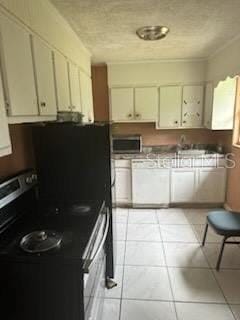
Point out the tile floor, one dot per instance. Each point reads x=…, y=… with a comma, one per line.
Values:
x=164, y=274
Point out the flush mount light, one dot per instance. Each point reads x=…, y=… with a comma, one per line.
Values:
x=152, y=32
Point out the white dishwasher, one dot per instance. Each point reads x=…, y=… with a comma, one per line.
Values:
x=150, y=184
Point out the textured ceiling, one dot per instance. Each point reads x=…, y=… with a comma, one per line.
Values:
x=107, y=27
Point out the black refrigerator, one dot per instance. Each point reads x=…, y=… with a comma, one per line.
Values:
x=73, y=164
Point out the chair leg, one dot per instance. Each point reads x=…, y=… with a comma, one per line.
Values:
x=221, y=254
x=205, y=235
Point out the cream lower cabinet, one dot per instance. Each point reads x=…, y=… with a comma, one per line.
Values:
x=183, y=185
x=18, y=71
x=123, y=182
x=44, y=74
x=198, y=185
x=123, y=186
x=211, y=185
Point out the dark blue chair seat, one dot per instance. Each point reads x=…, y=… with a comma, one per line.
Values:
x=225, y=223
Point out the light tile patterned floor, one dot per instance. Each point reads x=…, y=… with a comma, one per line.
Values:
x=164, y=274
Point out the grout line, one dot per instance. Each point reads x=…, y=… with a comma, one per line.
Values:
x=124, y=257
x=168, y=274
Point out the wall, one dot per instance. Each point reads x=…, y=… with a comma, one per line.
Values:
x=100, y=93
x=156, y=73
x=151, y=136
x=22, y=156
x=224, y=63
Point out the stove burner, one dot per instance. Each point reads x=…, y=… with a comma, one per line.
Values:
x=41, y=241
x=79, y=210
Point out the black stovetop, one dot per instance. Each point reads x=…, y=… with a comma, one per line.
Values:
x=76, y=230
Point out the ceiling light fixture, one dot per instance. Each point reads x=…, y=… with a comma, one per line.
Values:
x=152, y=32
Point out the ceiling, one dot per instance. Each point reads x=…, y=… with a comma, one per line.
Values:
x=107, y=27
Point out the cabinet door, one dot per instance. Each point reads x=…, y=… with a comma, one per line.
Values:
x=44, y=78
x=86, y=98
x=5, y=143
x=192, y=106
x=211, y=185
x=170, y=107
x=122, y=104
x=123, y=185
x=208, y=105
x=74, y=87
x=146, y=104
x=18, y=69
x=158, y=193
x=224, y=104
x=62, y=82
x=183, y=185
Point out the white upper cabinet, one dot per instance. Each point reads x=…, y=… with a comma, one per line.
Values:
x=122, y=104
x=192, y=106
x=62, y=82
x=74, y=87
x=43, y=61
x=86, y=98
x=208, y=105
x=18, y=69
x=224, y=104
x=5, y=143
x=170, y=107
x=146, y=104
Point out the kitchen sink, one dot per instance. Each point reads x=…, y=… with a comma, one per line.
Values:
x=191, y=152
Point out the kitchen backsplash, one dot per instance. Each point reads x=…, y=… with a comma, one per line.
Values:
x=153, y=137
x=22, y=156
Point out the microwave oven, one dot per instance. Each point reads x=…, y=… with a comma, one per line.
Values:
x=127, y=144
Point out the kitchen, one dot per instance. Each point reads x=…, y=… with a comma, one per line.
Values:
x=168, y=97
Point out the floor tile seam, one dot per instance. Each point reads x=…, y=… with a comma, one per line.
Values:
x=168, y=275
x=123, y=267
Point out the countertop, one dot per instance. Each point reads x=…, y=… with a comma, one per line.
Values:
x=166, y=155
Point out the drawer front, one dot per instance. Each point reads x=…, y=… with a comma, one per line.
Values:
x=122, y=163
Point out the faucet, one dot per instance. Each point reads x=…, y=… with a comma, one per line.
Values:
x=182, y=142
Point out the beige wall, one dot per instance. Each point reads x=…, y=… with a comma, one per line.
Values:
x=22, y=155
x=151, y=136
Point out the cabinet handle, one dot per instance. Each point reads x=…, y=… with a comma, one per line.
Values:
x=198, y=114
x=43, y=104
x=184, y=121
x=176, y=122
x=138, y=115
x=129, y=115
x=185, y=101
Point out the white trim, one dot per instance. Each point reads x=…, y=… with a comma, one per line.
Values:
x=29, y=119
x=112, y=62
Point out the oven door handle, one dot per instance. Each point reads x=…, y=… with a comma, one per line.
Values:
x=89, y=262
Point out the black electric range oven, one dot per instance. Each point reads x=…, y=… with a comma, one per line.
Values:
x=52, y=260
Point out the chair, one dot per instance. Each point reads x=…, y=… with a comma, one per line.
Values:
x=226, y=224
